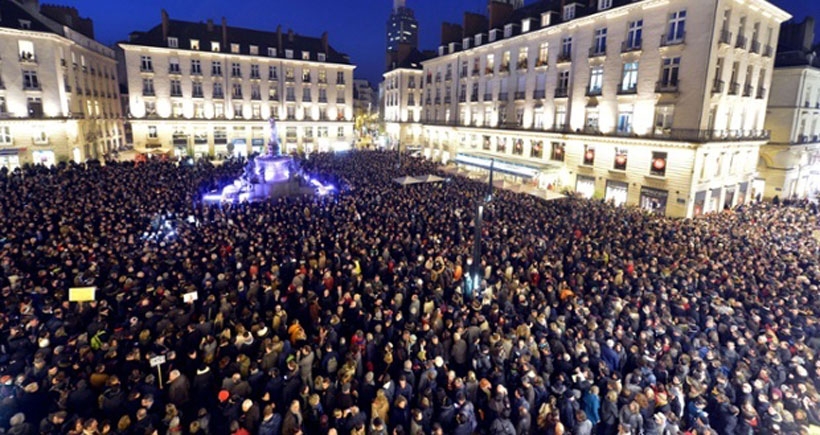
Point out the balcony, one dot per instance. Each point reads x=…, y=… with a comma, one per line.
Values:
x=448, y=100
x=448, y=77
x=672, y=40
x=145, y=92
x=490, y=70
x=236, y=75
x=196, y=72
x=768, y=51
x=520, y=95
x=340, y=82
x=291, y=98
x=438, y=79
x=761, y=93
x=541, y=63
x=27, y=57
x=717, y=86
x=474, y=97
x=561, y=92
x=627, y=89
x=488, y=96
x=503, y=96
x=273, y=78
x=174, y=69
x=504, y=68
x=734, y=88
x=236, y=95
x=340, y=100
x=597, y=51
x=67, y=87
x=666, y=87
x=748, y=90
x=461, y=99
x=539, y=94
x=741, y=42
x=273, y=97
x=593, y=91
x=143, y=68
x=219, y=95
x=693, y=135
x=755, y=48
x=197, y=95
x=290, y=79
x=63, y=63
x=256, y=97
x=437, y=100
x=523, y=65
x=565, y=57
x=475, y=72
x=307, y=99
x=725, y=37
x=255, y=76
x=322, y=80
x=627, y=47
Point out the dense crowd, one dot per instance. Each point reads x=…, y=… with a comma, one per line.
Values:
x=352, y=313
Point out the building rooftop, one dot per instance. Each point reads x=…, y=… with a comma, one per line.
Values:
x=208, y=32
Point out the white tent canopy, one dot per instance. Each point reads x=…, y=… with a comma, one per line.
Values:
x=404, y=181
x=429, y=178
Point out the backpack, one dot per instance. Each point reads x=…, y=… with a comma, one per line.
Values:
x=332, y=365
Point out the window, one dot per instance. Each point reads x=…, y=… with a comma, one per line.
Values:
x=173, y=66
x=322, y=76
x=254, y=50
x=216, y=68
x=561, y=118
x=604, y=4
x=152, y=132
x=235, y=48
x=194, y=44
x=569, y=12
x=40, y=137
x=322, y=57
x=566, y=48
x=557, y=152
x=271, y=51
x=634, y=35
x=625, y=122
x=196, y=91
x=173, y=42
x=291, y=113
x=543, y=54
x=273, y=94
x=176, y=88
x=593, y=120
x=670, y=71
x=146, y=64
x=596, y=80
x=2, y=104
x=663, y=119
x=256, y=111
x=306, y=96
x=214, y=46
x=289, y=54
x=30, y=80
x=658, y=167
x=620, y=159
x=599, y=41
x=196, y=66
x=150, y=108
x=323, y=95
x=237, y=110
x=305, y=75
x=589, y=155
x=273, y=73
x=218, y=91
x=254, y=71
x=522, y=58
x=256, y=93
x=176, y=109
x=237, y=90
x=26, y=51
x=5, y=135
x=219, y=110
x=340, y=132
x=147, y=87
x=236, y=70
x=220, y=135
x=563, y=81
x=677, y=26
x=340, y=78
x=25, y=24
x=290, y=93
x=630, y=77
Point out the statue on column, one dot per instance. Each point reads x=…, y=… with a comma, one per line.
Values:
x=273, y=144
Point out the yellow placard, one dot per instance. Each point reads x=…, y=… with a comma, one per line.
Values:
x=81, y=294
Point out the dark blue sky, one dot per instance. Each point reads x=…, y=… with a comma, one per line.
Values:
x=356, y=27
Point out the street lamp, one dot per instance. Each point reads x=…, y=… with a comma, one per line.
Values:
x=476, y=272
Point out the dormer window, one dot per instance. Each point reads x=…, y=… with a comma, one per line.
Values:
x=235, y=48
x=465, y=43
x=479, y=39
x=508, y=30
x=604, y=4
x=546, y=19
x=289, y=54
x=195, y=44
x=173, y=42
x=305, y=55
x=322, y=57
x=569, y=12
x=493, y=35
x=215, y=46
x=271, y=52
x=254, y=49
x=25, y=24
x=525, y=25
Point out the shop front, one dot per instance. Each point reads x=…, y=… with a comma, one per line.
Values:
x=10, y=159
x=654, y=200
x=43, y=157
x=700, y=203
x=585, y=186
x=616, y=192
x=518, y=171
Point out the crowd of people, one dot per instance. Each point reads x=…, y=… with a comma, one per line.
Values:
x=356, y=313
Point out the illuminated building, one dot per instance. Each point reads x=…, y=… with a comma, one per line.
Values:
x=58, y=87
x=655, y=103
x=402, y=99
x=205, y=89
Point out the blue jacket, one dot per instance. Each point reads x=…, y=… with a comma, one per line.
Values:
x=592, y=406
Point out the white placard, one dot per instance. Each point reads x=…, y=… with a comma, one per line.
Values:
x=157, y=360
x=189, y=298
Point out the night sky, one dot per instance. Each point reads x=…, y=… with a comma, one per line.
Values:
x=356, y=27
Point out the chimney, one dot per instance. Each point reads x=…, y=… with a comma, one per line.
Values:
x=224, y=32
x=500, y=13
x=474, y=24
x=325, y=45
x=450, y=33
x=164, y=24
x=279, y=39
x=290, y=35
x=210, y=25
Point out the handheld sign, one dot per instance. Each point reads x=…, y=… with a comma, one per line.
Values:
x=157, y=360
x=189, y=298
x=81, y=294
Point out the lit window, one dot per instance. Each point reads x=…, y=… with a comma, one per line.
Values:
x=234, y=48
x=173, y=42
x=604, y=4
x=254, y=49
x=152, y=132
x=305, y=55
x=289, y=54
x=569, y=12
x=215, y=46
x=194, y=44
x=271, y=52
x=5, y=135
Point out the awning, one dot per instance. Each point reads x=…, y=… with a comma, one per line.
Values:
x=404, y=181
x=429, y=178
